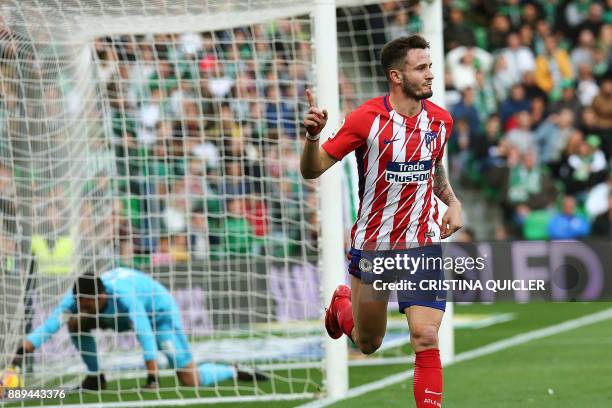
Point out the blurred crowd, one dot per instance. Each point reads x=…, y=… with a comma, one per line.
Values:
x=529, y=85
x=205, y=129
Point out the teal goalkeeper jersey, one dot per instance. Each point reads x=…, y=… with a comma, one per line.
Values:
x=135, y=300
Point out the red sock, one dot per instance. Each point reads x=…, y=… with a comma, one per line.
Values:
x=428, y=379
x=344, y=314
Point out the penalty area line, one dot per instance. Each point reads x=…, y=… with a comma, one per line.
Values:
x=472, y=354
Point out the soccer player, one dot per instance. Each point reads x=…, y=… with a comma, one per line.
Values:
x=399, y=141
x=125, y=299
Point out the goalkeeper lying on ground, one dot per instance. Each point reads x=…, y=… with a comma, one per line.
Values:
x=125, y=299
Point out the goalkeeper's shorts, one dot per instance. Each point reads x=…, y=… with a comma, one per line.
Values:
x=416, y=274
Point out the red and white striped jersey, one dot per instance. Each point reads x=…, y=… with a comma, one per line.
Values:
x=396, y=158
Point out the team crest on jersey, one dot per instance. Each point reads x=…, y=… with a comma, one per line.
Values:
x=430, y=136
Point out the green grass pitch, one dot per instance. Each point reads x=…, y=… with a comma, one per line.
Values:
x=569, y=369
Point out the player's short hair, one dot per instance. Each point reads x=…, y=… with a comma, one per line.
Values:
x=393, y=53
x=89, y=285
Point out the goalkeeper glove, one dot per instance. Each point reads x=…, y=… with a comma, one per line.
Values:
x=152, y=381
x=18, y=357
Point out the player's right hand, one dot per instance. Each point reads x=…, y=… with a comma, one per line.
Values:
x=315, y=119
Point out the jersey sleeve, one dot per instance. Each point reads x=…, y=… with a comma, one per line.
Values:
x=347, y=137
x=54, y=322
x=141, y=324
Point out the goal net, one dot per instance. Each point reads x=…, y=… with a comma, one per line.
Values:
x=165, y=136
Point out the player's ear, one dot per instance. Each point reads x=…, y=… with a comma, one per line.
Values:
x=395, y=76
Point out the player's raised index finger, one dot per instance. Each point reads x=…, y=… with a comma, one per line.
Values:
x=310, y=97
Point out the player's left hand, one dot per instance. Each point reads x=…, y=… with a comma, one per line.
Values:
x=452, y=220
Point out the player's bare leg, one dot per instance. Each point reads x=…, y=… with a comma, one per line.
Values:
x=424, y=323
x=370, y=315
x=360, y=313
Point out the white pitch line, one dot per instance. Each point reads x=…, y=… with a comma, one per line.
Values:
x=469, y=355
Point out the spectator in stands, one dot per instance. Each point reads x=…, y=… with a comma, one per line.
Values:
x=602, y=103
x=256, y=213
x=512, y=9
x=567, y=223
x=539, y=110
x=238, y=235
x=170, y=249
x=460, y=147
x=526, y=35
x=601, y=62
x=532, y=90
x=485, y=99
x=466, y=110
x=568, y=98
x=219, y=84
x=126, y=250
x=589, y=125
x=487, y=151
x=234, y=183
x=156, y=108
x=576, y=12
x=518, y=57
x=583, y=53
x=552, y=136
x=592, y=23
x=522, y=136
x=465, y=62
x=498, y=31
x=602, y=224
x=457, y=32
x=586, y=168
x=515, y=103
x=199, y=232
x=53, y=245
x=530, y=15
x=552, y=66
x=502, y=78
x=176, y=208
x=542, y=31
x=587, y=87
x=526, y=186
x=284, y=216
x=398, y=25
x=164, y=77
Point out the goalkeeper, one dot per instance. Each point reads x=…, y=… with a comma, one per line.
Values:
x=125, y=299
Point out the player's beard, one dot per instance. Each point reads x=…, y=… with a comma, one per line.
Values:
x=408, y=90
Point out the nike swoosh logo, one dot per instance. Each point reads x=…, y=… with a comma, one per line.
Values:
x=385, y=141
x=440, y=299
x=431, y=392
